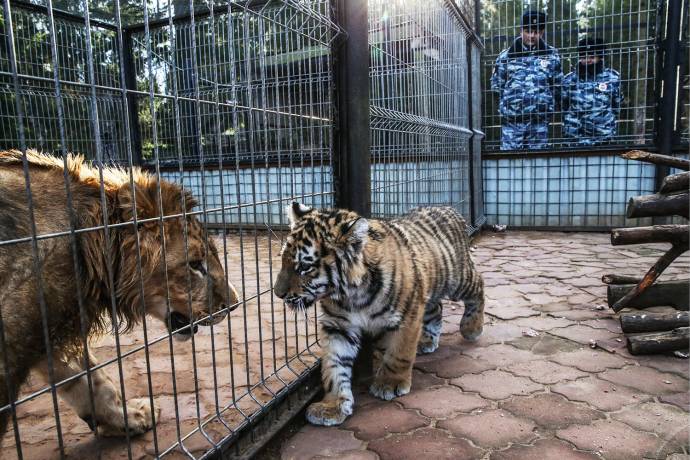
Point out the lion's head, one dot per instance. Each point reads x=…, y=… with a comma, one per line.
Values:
x=322, y=255
x=184, y=283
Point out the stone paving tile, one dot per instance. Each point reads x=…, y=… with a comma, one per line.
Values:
x=312, y=441
x=496, y=333
x=501, y=355
x=545, y=344
x=426, y=443
x=496, y=384
x=583, y=334
x=667, y=421
x=615, y=440
x=599, y=393
x=491, y=429
x=455, y=367
x=610, y=324
x=422, y=380
x=350, y=455
x=550, y=410
x=542, y=323
x=664, y=363
x=508, y=312
x=543, y=449
x=377, y=420
x=589, y=360
x=545, y=372
x=442, y=402
x=646, y=379
x=580, y=315
x=681, y=400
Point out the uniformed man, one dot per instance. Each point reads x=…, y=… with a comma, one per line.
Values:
x=527, y=77
x=591, y=96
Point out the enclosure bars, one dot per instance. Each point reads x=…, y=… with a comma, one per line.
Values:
x=352, y=167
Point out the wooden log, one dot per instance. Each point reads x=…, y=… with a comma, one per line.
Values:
x=671, y=293
x=673, y=234
x=675, y=183
x=653, y=322
x=659, y=342
x=651, y=276
x=612, y=278
x=655, y=158
x=658, y=205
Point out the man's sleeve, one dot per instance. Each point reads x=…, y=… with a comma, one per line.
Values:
x=499, y=76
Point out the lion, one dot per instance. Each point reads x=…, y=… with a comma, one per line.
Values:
x=93, y=276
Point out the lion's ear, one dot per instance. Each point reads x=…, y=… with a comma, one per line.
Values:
x=139, y=198
x=145, y=196
x=175, y=198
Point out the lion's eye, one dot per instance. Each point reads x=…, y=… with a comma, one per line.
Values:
x=198, y=265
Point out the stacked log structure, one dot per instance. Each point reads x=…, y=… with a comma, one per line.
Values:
x=648, y=332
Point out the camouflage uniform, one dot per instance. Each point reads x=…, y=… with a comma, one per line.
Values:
x=591, y=104
x=528, y=82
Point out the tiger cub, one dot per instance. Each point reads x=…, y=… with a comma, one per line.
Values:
x=385, y=279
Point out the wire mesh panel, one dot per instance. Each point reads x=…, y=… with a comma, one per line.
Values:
x=230, y=100
x=419, y=107
x=575, y=102
x=36, y=90
x=586, y=192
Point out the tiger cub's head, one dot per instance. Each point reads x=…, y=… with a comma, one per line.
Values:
x=322, y=256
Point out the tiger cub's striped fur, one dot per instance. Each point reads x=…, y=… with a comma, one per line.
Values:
x=385, y=279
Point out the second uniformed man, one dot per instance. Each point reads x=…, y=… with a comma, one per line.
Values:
x=591, y=96
x=527, y=77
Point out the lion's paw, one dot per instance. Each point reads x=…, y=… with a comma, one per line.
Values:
x=329, y=413
x=389, y=390
x=140, y=419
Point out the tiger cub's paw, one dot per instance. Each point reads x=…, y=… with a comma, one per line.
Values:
x=388, y=390
x=427, y=345
x=329, y=412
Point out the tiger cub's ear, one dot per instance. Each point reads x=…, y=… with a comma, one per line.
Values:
x=354, y=232
x=295, y=212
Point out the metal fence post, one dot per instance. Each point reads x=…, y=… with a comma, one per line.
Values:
x=352, y=165
x=131, y=84
x=470, y=125
x=668, y=108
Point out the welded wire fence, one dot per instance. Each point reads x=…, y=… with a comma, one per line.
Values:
x=420, y=106
x=571, y=102
x=232, y=100
x=569, y=175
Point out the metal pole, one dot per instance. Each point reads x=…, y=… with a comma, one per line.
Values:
x=470, y=125
x=352, y=175
x=668, y=104
x=667, y=108
x=133, y=107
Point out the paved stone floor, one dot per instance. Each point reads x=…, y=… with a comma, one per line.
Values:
x=532, y=387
